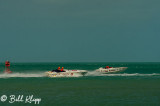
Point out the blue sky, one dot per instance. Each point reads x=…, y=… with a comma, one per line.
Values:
x=80, y=30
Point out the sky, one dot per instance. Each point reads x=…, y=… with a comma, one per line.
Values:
x=80, y=30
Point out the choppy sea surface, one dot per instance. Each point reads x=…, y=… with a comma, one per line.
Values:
x=138, y=85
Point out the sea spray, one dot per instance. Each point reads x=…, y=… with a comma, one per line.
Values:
x=4, y=75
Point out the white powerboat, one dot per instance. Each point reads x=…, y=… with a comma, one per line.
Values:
x=108, y=70
x=66, y=73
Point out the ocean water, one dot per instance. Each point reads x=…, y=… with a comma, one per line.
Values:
x=138, y=85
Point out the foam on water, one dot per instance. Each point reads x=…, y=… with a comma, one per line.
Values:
x=90, y=73
x=94, y=73
x=134, y=74
x=4, y=75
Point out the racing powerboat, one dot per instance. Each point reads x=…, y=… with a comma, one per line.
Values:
x=66, y=73
x=108, y=69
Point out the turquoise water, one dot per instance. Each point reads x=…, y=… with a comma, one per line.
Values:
x=138, y=85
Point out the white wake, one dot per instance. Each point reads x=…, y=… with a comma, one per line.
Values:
x=24, y=75
x=94, y=73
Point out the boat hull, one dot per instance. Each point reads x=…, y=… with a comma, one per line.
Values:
x=111, y=70
x=70, y=73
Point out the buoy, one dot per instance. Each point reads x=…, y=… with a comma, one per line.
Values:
x=7, y=67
